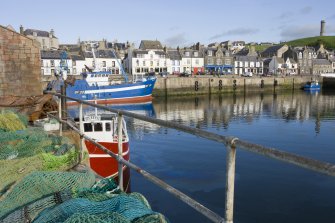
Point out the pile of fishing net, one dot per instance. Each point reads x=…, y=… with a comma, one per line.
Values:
x=26, y=149
x=74, y=197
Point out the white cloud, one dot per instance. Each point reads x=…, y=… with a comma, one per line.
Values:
x=176, y=40
x=235, y=32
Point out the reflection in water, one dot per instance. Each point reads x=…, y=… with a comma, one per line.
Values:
x=266, y=190
x=219, y=110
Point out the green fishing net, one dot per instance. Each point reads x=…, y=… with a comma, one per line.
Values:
x=73, y=197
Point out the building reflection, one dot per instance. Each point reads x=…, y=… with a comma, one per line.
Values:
x=219, y=110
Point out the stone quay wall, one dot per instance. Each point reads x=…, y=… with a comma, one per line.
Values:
x=20, y=65
x=226, y=84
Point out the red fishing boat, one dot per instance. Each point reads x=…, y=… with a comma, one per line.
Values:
x=103, y=128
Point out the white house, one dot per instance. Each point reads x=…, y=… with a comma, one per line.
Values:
x=174, y=62
x=150, y=57
x=281, y=66
x=51, y=61
x=246, y=64
x=106, y=60
x=192, y=61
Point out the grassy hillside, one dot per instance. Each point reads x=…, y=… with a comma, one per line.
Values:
x=328, y=41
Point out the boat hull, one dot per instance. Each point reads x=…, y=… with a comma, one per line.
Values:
x=123, y=93
x=105, y=165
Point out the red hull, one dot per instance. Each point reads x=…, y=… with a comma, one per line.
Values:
x=106, y=166
x=117, y=100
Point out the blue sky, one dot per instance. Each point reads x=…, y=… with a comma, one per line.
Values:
x=173, y=22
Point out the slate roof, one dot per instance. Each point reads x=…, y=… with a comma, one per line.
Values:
x=100, y=54
x=151, y=45
x=136, y=52
x=321, y=62
x=38, y=32
x=174, y=54
x=77, y=57
x=272, y=50
x=51, y=54
x=247, y=58
x=183, y=53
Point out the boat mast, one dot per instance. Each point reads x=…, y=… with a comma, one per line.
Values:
x=93, y=45
x=121, y=67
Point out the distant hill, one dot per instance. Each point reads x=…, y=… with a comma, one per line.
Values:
x=328, y=42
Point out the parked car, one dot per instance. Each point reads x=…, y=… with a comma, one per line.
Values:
x=185, y=74
x=247, y=74
x=164, y=74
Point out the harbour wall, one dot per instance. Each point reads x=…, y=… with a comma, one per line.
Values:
x=226, y=84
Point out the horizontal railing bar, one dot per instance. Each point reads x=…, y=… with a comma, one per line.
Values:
x=186, y=199
x=308, y=163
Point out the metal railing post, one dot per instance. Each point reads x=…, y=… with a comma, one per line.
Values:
x=81, y=128
x=60, y=116
x=230, y=182
x=119, y=141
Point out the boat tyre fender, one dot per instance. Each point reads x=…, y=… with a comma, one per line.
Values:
x=196, y=85
x=220, y=85
x=262, y=83
x=234, y=84
x=275, y=83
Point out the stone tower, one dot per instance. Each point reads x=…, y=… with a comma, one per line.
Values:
x=322, y=29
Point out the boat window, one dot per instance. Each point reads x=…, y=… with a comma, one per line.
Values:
x=98, y=127
x=88, y=127
x=108, y=126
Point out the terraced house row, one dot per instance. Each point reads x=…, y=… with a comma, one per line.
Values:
x=229, y=57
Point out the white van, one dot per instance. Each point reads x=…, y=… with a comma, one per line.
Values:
x=247, y=74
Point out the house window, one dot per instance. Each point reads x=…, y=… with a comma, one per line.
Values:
x=138, y=70
x=151, y=63
x=218, y=61
x=52, y=71
x=196, y=54
x=210, y=53
x=143, y=63
x=187, y=54
x=52, y=62
x=104, y=63
x=74, y=71
x=151, y=56
x=137, y=63
x=157, y=63
x=197, y=61
x=188, y=61
x=42, y=71
x=74, y=63
x=41, y=63
x=113, y=63
x=209, y=61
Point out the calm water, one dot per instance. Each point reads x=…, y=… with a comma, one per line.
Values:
x=266, y=190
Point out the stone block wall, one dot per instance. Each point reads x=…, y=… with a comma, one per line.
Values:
x=20, y=64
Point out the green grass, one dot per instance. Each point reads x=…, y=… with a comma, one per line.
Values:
x=328, y=41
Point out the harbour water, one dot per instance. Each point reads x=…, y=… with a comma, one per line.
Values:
x=266, y=190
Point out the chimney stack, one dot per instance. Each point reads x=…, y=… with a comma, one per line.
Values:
x=322, y=30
